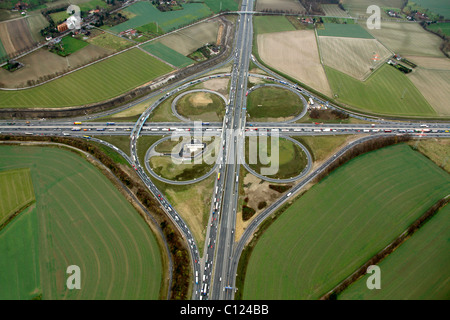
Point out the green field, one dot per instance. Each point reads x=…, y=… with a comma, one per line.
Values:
x=79, y=218
x=2, y=51
x=109, y=41
x=440, y=7
x=16, y=191
x=210, y=107
x=59, y=17
x=417, y=270
x=443, y=28
x=145, y=13
x=269, y=103
x=225, y=5
x=167, y=54
x=341, y=222
x=268, y=24
x=72, y=45
x=99, y=82
x=19, y=257
x=386, y=92
x=291, y=158
x=344, y=30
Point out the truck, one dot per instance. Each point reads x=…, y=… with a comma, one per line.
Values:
x=76, y=129
x=311, y=102
x=218, y=176
x=77, y=122
x=110, y=123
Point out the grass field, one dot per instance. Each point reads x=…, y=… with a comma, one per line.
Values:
x=166, y=168
x=270, y=103
x=145, y=13
x=101, y=81
x=440, y=7
x=408, y=39
x=322, y=147
x=3, y=52
x=201, y=106
x=291, y=158
x=269, y=24
x=167, y=54
x=110, y=42
x=344, y=30
x=72, y=45
x=443, y=27
x=382, y=93
x=352, y=56
x=19, y=252
x=223, y=5
x=16, y=191
x=324, y=235
x=83, y=220
x=418, y=270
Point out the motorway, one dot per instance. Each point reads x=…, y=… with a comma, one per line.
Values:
x=214, y=273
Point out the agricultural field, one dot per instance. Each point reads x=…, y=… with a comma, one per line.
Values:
x=16, y=192
x=443, y=28
x=386, y=92
x=167, y=54
x=322, y=147
x=439, y=7
x=15, y=36
x=408, y=39
x=291, y=6
x=344, y=30
x=417, y=270
x=273, y=104
x=270, y=24
x=72, y=45
x=190, y=39
x=333, y=10
x=3, y=52
x=36, y=22
x=79, y=218
x=110, y=42
x=295, y=54
x=291, y=158
x=315, y=244
x=359, y=7
x=223, y=5
x=353, y=56
x=201, y=106
x=99, y=82
x=42, y=64
x=436, y=150
x=145, y=13
x=435, y=87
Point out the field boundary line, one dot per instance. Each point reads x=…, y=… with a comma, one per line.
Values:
x=387, y=250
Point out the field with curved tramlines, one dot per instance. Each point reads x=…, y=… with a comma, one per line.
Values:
x=341, y=222
x=79, y=218
x=104, y=80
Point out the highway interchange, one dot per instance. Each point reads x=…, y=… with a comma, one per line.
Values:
x=214, y=270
